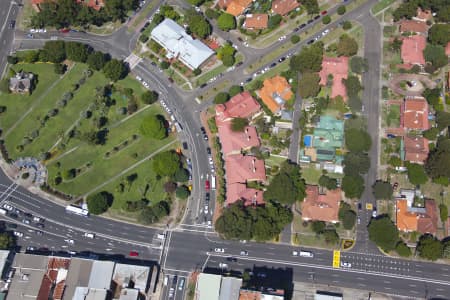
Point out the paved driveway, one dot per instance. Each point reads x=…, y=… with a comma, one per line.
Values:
x=395, y=84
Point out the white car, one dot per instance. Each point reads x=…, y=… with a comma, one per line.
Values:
x=374, y=213
x=219, y=250
x=7, y=207
x=294, y=253
x=244, y=253
x=18, y=233
x=206, y=209
x=346, y=264
x=89, y=235
x=138, y=78
x=209, y=223
x=223, y=265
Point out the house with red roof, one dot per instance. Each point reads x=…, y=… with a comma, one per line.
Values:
x=256, y=21
x=416, y=149
x=414, y=114
x=413, y=26
x=234, y=7
x=283, y=7
x=447, y=49
x=275, y=92
x=421, y=219
x=412, y=50
x=338, y=67
x=240, y=192
x=321, y=206
x=244, y=168
x=242, y=105
x=234, y=142
x=95, y=4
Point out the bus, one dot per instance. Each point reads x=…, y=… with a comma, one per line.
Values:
x=213, y=182
x=73, y=209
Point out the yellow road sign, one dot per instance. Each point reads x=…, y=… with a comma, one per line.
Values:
x=336, y=259
x=369, y=206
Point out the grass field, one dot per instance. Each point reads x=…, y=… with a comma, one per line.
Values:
x=380, y=5
x=94, y=167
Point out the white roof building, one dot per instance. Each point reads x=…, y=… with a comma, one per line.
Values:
x=179, y=44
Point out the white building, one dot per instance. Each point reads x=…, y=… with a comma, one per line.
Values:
x=180, y=45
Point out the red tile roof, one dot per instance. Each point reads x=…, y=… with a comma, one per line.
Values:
x=240, y=192
x=237, y=7
x=256, y=21
x=447, y=49
x=416, y=149
x=338, y=67
x=242, y=105
x=321, y=207
x=413, y=26
x=45, y=288
x=283, y=7
x=408, y=220
x=243, y=168
x=273, y=89
x=233, y=142
x=415, y=114
x=249, y=295
x=412, y=49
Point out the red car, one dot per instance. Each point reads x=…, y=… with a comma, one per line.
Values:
x=64, y=30
x=323, y=12
x=134, y=253
x=207, y=186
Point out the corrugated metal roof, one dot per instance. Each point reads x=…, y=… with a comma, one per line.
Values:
x=229, y=289
x=101, y=274
x=208, y=286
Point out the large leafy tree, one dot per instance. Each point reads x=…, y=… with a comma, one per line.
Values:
x=98, y=203
x=357, y=140
x=309, y=59
x=429, y=247
x=77, y=51
x=154, y=213
x=97, y=60
x=115, y=69
x=226, y=22
x=356, y=163
x=309, y=85
x=382, y=190
x=287, y=186
x=352, y=85
x=198, y=25
x=239, y=124
x=166, y=163
x=416, y=174
x=347, y=46
x=55, y=51
x=312, y=7
x=353, y=186
x=439, y=34
x=383, y=232
x=436, y=55
x=438, y=162
x=6, y=241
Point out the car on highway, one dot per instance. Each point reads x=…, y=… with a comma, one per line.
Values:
x=7, y=207
x=18, y=233
x=70, y=241
x=219, y=250
x=282, y=59
x=12, y=24
x=26, y=221
x=294, y=253
x=38, y=232
x=390, y=136
x=133, y=253
x=310, y=21
x=181, y=284
x=64, y=30
x=244, y=253
x=171, y=291
x=273, y=64
x=11, y=225
x=30, y=36
x=30, y=248
x=223, y=265
x=174, y=280
x=207, y=197
x=346, y=264
x=166, y=280
x=359, y=206
x=203, y=85
x=208, y=150
x=40, y=225
x=239, y=64
x=207, y=185
x=206, y=209
x=89, y=235
x=359, y=220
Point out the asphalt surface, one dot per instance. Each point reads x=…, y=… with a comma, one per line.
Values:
x=191, y=245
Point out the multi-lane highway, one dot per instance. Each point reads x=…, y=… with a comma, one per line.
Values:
x=191, y=245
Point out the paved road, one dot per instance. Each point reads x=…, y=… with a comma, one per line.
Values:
x=188, y=247
x=8, y=12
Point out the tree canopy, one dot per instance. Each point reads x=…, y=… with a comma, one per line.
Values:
x=357, y=140
x=98, y=203
x=115, y=69
x=198, y=25
x=429, y=247
x=438, y=162
x=55, y=51
x=309, y=85
x=416, y=174
x=153, y=127
x=239, y=124
x=149, y=97
x=226, y=22
x=347, y=216
x=352, y=85
x=443, y=212
x=383, y=232
x=353, y=186
x=439, y=34
x=382, y=190
x=287, y=186
x=347, y=46
x=77, y=51
x=182, y=192
x=96, y=60
x=274, y=21
x=166, y=163
x=221, y=98
x=329, y=183
x=6, y=241
x=246, y=222
x=436, y=55
x=359, y=64
x=402, y=249
x=356, y=163
x=312, y=7
x=309, y=59
x=154, y=213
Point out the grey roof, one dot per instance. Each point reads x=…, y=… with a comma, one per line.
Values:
x=208, y=286
x=230, y=287
x=129, y=294
x=101, y=275
x=179, y=44
x=85, y=293
x=139, y=275
x=21, y=82
x=78, y=275
x=28, y=275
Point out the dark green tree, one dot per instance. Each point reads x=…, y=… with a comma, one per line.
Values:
x=438, y=162
x=287, y=186
x=309, y=85
x=383, y=232
x=55, y=51
x=347, y=46
x=326, y=20
x=198, y=24
x=6, y=241
x=312, y=7
x=239, y=124
x=96, y=60
x=439, y=34
x=352, y=85
x=358, y=64
x=382, y=190
x=402, y=249
x=429, y=247
x=97, y=203
x=77, y=51
x=341, y=10
x=182, y=192
x=115, y=69
x=357, y=140
x=221, y=98
x=295, y=39
x=443, y=212
x=309, y=59
x=436, y=55
x=181, y=175
x=329, y=183
x=416, y=174
x=226, y=22
x=166, y=163
x=234, y=90
x=149, y=97
x=353, y=186
x=274, y=21
x=318, y=226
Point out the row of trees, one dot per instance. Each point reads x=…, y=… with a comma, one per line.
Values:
x=65, y=13
x=408, y=9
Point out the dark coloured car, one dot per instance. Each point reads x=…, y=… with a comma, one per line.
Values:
x=296, y=29
x=171, y=79
x=185, y=146
x=208, y=150
x=207, y=197
x=11, y=225
x=248, y=79
x=203, y=85
x=282, y=59
x=390, y=136
x=174, y=281
x=28, y=215
x=359, y=206
x=40, y=225
x=310, y=21
x=273, y=65
x=323, y=13
x=39, y=232
x=12, y=24
x=13, y=215
x=310, y=42
x=303, y=25
x=153, y=64
x=239, y=64
x=316, y=17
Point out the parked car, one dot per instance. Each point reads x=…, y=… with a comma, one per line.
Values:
x=133, y=253
x=207, y=185
x=346, y=264
x=395, y=186
x=244, y=253
x=324, y=12
x=219, y=250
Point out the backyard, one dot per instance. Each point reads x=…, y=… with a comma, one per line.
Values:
x=44, y=126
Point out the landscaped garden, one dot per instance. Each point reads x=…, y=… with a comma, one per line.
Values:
x=96, y=136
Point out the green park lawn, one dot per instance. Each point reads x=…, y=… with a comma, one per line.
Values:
x=95, y=170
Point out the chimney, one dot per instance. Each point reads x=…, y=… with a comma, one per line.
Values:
x=253, y=165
